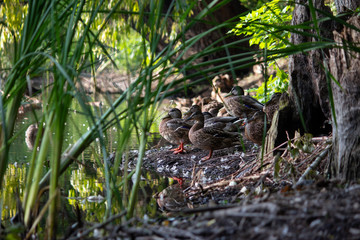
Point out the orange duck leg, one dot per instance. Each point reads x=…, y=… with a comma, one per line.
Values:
x=208, y=156
x=179, y=180
x=180, y=149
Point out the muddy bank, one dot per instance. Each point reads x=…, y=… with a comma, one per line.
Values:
x=238, y=195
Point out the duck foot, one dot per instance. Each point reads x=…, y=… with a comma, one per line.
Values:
x=175, y=149
x=180, y=149
x=179, y=180
x=206, y=157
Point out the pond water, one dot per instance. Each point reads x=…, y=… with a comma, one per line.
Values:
x=83, y=183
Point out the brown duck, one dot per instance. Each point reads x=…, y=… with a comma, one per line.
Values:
x=272, y=105
x=210, y=138
x=241, y=106
x=229, y=123
x=175, y=130
x=254, y=127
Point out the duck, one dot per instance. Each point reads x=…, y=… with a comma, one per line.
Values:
x=254, y=128
x=272, y=105
x=208, y=104
x=175, y=130
x=212, y=106
x=222, y=84
x=239, y=105
x=226, y=123
x=30, y=135
x=172, y=199
x=210, y=138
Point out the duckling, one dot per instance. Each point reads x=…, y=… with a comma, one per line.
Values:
x=239, y=105
x=175, y=130
x=272, y=105
x=254, y=127
x=210, y=138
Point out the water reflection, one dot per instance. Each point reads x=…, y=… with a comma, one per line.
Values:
x=14, y=184
x=83, y=187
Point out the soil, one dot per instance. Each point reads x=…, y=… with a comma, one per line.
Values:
x=239, y=195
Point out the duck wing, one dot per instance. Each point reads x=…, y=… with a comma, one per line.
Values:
x=221, y=120
x=251, y=102
x=178, y=125
x=217, y=133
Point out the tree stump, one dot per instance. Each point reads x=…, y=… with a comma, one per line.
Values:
x=283, y=125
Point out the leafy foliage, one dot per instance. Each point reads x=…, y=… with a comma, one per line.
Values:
x=12, y=14
x=265, y=26
x=116, y=34
x=275, y=83
x=64, y=40
x=251, y=4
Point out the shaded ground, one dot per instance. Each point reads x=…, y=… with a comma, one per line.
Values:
x=239, y=195
x=235, y=195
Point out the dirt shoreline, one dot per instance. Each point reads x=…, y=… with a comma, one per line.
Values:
x=239, y=195
x=233, y=196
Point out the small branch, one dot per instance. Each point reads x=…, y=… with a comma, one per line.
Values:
x=313, y=165
x=100, y=225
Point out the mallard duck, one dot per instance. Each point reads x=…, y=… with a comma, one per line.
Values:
x=209, y=138
x=230, y=124
x=272, y=105
x=30, y=135
x=212, y=106
x=239, y=105
x=175, y=130
x=254, y=127
x=172, y=198
x=222, y=84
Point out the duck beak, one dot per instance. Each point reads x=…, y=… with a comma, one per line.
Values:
x=191, y=117
x=167, y=116
x=187, y=113
x=228, y=94
x=247, y=120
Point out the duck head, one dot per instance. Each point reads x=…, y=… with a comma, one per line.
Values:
x=236, y=91
x=173, y=113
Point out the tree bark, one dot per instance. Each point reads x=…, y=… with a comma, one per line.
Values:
x=308, y=86
x=345, y=67
x=346, y=5
x=231, y=10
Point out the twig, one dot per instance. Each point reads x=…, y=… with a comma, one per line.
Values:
x=313, y=165
x=100, y=225
x=168, y=232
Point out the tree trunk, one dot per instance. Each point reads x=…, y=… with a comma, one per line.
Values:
x=308, y=86
x=231, y=10
x=307, y=108
x=346, y=5
x=345, y=67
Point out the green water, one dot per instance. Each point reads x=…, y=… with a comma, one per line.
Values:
x=83, y=183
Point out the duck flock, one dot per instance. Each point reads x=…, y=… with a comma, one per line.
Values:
x=246, y=117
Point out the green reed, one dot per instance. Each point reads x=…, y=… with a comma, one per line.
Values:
x=48, y=46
